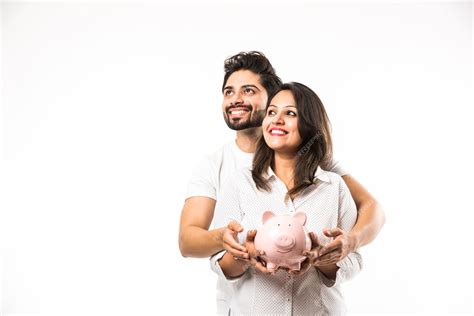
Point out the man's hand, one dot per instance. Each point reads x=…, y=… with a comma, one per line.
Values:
x=255, y=253
x=230, y=243
x=337, y=249
x=311, y=255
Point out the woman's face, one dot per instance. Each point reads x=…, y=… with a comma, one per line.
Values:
x=280, y=125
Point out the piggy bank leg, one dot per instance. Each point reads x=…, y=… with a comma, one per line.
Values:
x=296, y=266
x=271, y=266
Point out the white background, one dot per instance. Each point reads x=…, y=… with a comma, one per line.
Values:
x=106, y=108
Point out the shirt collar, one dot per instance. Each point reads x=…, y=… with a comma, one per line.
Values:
x=320, y=174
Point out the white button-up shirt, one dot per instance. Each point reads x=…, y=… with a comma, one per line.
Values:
x=327, y=204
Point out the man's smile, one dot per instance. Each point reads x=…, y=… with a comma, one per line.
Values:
x=238, y=111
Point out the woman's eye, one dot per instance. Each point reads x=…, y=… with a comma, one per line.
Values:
x=270, y=112
x=291, y=113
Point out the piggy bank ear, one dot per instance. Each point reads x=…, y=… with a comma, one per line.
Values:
x=266, y=216
x=300, y=218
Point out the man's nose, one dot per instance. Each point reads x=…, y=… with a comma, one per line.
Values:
x=237, y=98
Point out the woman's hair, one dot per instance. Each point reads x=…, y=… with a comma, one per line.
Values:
x=316, y=144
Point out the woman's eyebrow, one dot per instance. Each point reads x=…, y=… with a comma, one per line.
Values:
x=286, y=106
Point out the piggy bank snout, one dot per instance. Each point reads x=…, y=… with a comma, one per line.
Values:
x=285, y=241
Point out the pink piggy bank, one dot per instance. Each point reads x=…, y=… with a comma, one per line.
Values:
x=283, y=238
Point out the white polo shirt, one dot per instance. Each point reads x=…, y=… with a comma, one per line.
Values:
x=213, y=170
x=328, y=203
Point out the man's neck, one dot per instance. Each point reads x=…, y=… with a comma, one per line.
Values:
x=247, y=139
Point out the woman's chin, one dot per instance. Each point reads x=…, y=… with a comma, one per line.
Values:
x=283, y=149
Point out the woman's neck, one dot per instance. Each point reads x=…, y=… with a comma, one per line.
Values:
x=247, y=139
x=284, y=168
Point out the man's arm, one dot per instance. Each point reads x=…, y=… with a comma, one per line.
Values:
x=370, y=221
x=195, y=238
x=371, y=217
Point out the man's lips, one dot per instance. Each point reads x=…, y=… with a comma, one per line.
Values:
x=237, y=111
x=275, y=131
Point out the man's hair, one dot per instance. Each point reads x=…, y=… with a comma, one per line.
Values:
x=316, y=144
x=257, y=63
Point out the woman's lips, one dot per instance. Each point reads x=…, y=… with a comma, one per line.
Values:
x=277, y=132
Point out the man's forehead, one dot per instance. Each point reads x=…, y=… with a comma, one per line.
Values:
x=243, y=78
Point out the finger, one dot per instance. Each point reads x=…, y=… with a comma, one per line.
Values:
x=333, y=232
x=242, y=259
x=328, y=259
x=260, y=267
x=228, y=239
x=235, y=253
x=335, y=245
x=233, y=225
x=314, y=240
x=310, y=254
x=251, y=235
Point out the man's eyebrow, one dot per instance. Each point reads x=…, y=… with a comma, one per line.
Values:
x=244, y=86
x=250, y=86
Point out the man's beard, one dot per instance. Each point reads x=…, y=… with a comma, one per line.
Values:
x=254, y=119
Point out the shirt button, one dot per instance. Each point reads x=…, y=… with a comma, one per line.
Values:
x=288, y=299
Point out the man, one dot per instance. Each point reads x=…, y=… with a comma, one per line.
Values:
x=249, y=80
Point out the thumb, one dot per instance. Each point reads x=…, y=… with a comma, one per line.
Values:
x=314, y=240
x=333, y=232
x=251, y=235
x=236, y=227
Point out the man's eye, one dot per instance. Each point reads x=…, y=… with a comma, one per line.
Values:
x=248, y=91
x=228, y=92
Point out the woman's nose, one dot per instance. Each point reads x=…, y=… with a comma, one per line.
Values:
x=277, y=119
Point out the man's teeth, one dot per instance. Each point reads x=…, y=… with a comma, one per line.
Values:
x=238, y=112
x=276, y=131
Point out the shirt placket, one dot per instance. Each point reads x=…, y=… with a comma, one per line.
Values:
x=289, y=295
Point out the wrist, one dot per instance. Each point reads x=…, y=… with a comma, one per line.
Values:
x=329, y=271
x=217, y=235
x=231, y=267
x=354, y=240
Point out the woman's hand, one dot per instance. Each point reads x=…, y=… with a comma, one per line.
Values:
x=254, y=254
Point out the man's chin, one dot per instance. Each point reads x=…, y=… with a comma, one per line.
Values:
x=241, y=125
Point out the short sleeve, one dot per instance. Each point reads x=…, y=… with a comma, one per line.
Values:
x=228, y=202
x=336, y=167
x=203, y=181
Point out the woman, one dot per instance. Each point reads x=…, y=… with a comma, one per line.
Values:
x=286, y=177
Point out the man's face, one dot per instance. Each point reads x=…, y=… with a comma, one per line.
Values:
x=244, y=100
